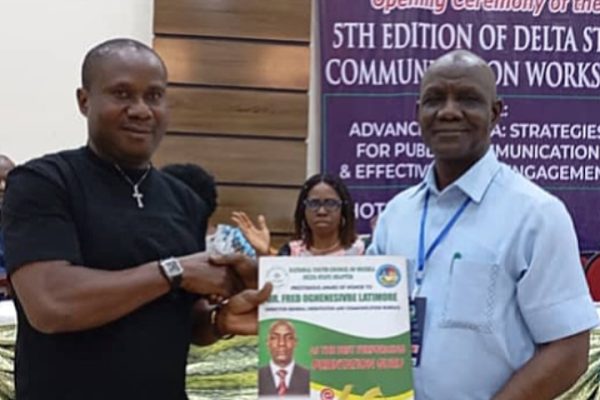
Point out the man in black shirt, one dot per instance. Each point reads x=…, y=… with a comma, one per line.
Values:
x=105, y=253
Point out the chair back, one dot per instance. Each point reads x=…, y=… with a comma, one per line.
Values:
x=592, y=275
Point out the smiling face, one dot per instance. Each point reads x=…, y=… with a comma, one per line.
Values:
x=325, y=219
x=125, y=106
x=458, y=108
x=282, y=342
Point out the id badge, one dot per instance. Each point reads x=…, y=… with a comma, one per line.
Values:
x=418, y=307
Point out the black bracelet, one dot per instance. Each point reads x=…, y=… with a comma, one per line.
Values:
x=214, y=315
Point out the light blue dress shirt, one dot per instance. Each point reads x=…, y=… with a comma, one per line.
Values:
x=505, y=278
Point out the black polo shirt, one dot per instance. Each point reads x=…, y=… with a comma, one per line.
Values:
x=74, y=206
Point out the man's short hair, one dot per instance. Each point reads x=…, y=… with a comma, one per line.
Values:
x=283, y=322
x=100, y=51
x=197, y=179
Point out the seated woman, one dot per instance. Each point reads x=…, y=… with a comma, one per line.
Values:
x=323, y=222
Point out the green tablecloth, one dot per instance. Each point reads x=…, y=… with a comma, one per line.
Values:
x=223, y=371
x=588, y=386
x=227, y=370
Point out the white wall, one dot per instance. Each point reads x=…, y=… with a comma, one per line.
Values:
x=42, y=44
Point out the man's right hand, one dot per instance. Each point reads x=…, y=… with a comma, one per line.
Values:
x=240, y=315
x=245, y=267
x=202, y=277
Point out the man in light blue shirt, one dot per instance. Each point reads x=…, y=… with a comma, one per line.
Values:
x=494, y=256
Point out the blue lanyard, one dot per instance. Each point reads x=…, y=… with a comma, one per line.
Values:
x=423, y=257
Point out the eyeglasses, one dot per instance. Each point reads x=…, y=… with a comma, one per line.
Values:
x=327, y=204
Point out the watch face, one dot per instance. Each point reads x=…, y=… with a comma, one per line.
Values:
x=172, y=267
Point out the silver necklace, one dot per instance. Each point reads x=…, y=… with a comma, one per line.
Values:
x=137, y=195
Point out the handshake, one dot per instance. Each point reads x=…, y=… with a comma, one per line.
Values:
x=232, y=282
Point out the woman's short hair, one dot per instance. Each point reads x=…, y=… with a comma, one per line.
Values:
x=347, y=230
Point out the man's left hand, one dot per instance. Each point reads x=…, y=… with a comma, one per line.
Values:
x=240, y=315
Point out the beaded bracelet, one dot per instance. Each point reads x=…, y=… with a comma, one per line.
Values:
x=214, y=315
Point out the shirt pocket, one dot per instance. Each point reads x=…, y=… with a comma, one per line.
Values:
x=471, y=294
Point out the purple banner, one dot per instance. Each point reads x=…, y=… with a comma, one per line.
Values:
x=546, y=56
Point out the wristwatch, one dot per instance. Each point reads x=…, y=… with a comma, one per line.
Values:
x=172, y=270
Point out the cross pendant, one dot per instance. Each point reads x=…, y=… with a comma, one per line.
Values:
x=138, y=196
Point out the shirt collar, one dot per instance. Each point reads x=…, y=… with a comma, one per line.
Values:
x=474, y=182
x=288, y=368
